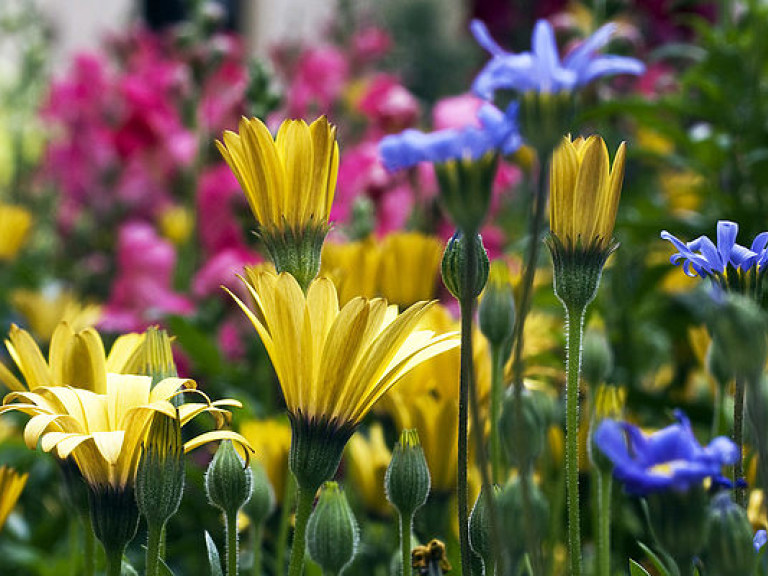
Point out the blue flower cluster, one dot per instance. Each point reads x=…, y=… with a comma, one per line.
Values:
x=669, y=459
x=701, y=257
x=539, y=70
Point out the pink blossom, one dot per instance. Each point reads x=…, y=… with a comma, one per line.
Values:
x=230, y=338
x=370, y=44
x=360, y=173
x=456, y=112
x=318, y=80
x=222, y=269
x=219, y=201
x=388, y=104
x=394, y=209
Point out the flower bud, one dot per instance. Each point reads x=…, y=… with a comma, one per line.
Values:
x=679, y=521
x=496, y=312
x=160, y=475
x=729, y=547
x=262, y=502
x=513, y=520
x=609, y=403
x=739, y=328
x=532, y=429
x=596, y=358
x=407, y=479
x=228, y=481
x=480, y=538
x=332, y=535
x=455, y=263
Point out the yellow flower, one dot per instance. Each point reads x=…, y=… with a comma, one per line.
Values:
x=334, y=364
x=75, y=358
x=353, y=267
x=177, y=224
x=585, y=193
x=271, y=441
x=15, y=223
x=11, y=485
x=103, y=433
x=44, y=310
x=367, y=462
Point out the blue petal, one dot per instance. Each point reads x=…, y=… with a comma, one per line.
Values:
x=581, y=55
x=726, y=238
x=610, y=65
x=483, y=36
x=761, y=537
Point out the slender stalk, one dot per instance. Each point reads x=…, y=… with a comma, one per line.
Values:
x=258, y=533
x=89, y=546
x=289, y=493
x=604, y=485
x=575, y=321
x=463, y=441
x=738, y=439
x=114, y=562
x=406, y=521
x=305, y=499
x=497, y=373
x=231, y=520
x=154, y=544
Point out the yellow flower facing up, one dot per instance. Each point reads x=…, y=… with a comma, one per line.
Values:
x=584, y=193
x=289, y=182
x=103, y=433
x=75, y=358
x=11, y=485
x=15, y=223
x=45, y=309
x=271, y=441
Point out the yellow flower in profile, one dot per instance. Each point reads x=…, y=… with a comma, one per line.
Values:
x=15, y=223
x=409, y=265
x=75, y=358
x=584, y=193
x=11, y=485
x=367, y=459
x=45, y=309
x=353, y=267
x=103, y=433
x=333, y=364
x=289, y=182
x=271, y=441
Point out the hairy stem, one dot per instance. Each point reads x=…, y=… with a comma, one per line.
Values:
x=575, y=322
x=305, y=499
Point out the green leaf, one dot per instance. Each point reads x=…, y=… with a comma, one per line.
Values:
x=214, y=560
x=655, y=560
x=636, y=570
x=163, y=569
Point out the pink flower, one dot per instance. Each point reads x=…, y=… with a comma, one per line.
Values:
x=394, y=209
x=219, y=201
x=388, y=104
x=318, y=80
x=222, y=269
x=230, y=339
x=370, y=44
x=456, y=112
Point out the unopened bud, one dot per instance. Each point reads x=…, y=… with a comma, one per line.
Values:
x=729, y=548
x=596, y=359
x=228, y=480
x=480, y=537
x=496, y=312
x=455, y=264
x=407, y=479
x=262, y=502
x=332, y=535
x=522, y=439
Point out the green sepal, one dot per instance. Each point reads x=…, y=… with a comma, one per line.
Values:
x=407, y=481
x=316, y=449
x=114, y=516
x=296, y=251
x=465, y=189
x=545, y=117
x=228, y=480
x=454, y=266
x=332, y=534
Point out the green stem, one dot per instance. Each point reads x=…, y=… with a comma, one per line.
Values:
x=575, y=321
x=406, y=520
x=258, y=533
x=231, y=520
x=719, y=410
x=463, y=441
x=738, y=439
x=604, y=484
x=114, y=562
x=89, y=547
x=497, y=373
x=289, y=494
x=154, y=543
x=305, y=500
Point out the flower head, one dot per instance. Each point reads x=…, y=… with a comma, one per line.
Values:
x=541, y=69
x=669, y=459
x=103, y=432
x=15, y=223
x=11, y=485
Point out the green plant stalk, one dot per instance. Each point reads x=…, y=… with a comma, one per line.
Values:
x=738, y=439
x=463, y=441
x=305, y=498
x=497, y=374
x=258, y=533
x=231, y=521
x=575, y=324
x=406, y=521
x=289, y=494
x=604, y=485
x=154, y=544
x=89, y=541
x=114, y=561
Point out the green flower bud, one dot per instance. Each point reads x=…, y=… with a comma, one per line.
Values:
x=262, y=502
x=160, y=474
x=514, y=523
x=407, y=479
x=679, y=521
x=480, y=538
x=532, y=428
x=228, y=481
x=729, y=545
x=455, y=262
x=496, y=312
x=114, y=516
x=739, y=329
x=332, y=535
x=465, y=189
x=577, y=270
x=155, y=357
x=596, y=359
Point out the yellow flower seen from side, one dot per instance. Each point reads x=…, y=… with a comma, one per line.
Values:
x=15, y=223
x=409, y=265
x=271, y=441
x=584, y=193
x=11, y=485
x=45, y=309
x=335, y=363
x=353, y=267
x=103, y=433
x=75, y=358
x=367, y=459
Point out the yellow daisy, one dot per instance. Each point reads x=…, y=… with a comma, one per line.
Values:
x=11, y=485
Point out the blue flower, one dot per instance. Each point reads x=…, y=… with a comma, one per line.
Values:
x=703, y=258
x=668, y=459
x=541, y=70
x=497, y=131
x=761, y=537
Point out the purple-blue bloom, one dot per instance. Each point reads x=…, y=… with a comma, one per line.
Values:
x=498, y=131
x=669, y=459
x=703, y=258
x=541, y=69
x=761, y=537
